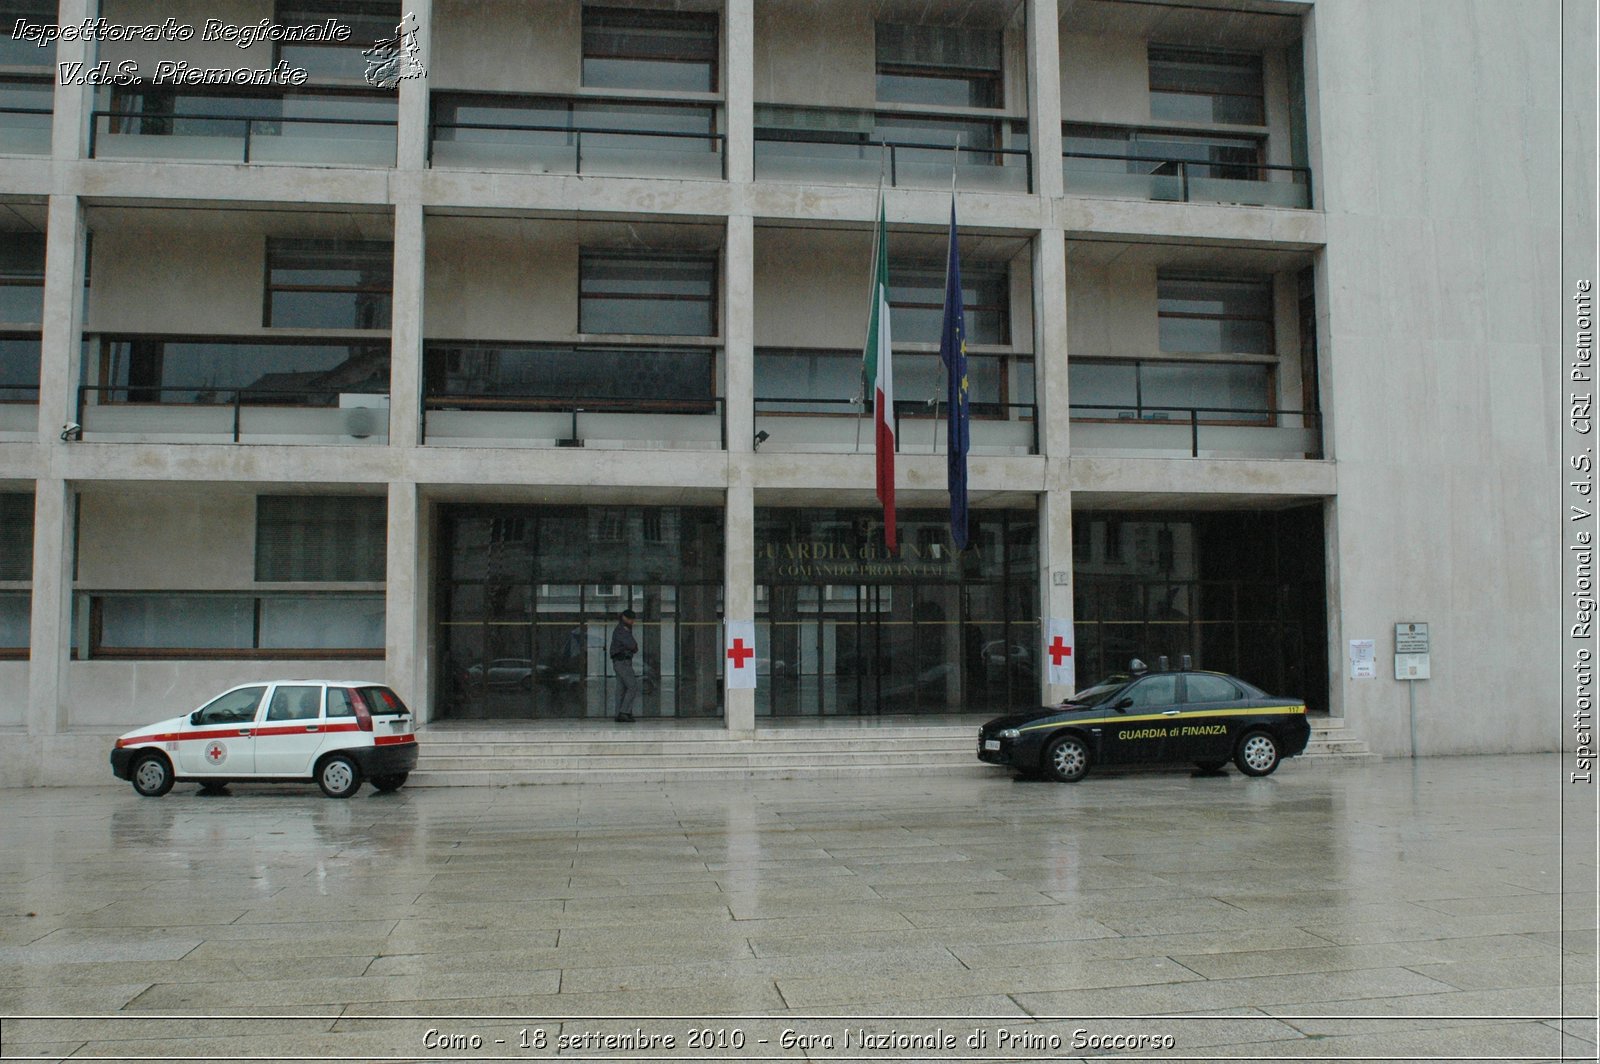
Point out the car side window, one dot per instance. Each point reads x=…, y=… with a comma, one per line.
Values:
x=1154, y=691
x=340, y=703
x=235, y=707
x=295, y=703
x=1211, y=689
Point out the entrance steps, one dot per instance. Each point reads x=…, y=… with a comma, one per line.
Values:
x=501, y=755
x=1330, y=741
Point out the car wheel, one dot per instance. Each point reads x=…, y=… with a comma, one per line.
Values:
x=1209, y=766
x=1257, y=754
x=390, y=783
x=152, y=775
x=338, y=777
x=1067, y=759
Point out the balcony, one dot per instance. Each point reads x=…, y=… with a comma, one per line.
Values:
x=808, y=401
x=177, y=390
x=314, y=130
x=1182, y=166
x=903, y=150
x=550, y=395
x=1139, y=431
x=576, y=135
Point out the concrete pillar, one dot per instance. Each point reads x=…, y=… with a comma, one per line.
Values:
x=69, y=125
x=739, y=596
x=411, y=134
x=1055, y=556
x=1044, y=94
x=739, y=334
x=50, y=627
x=1050, y=342
x=405, y=599
x=60, y=354
x=739, y=84
x=406, y=336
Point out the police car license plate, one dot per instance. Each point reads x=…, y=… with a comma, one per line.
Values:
x=991, y=744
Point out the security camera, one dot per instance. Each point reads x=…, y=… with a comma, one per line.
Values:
x=71, y=431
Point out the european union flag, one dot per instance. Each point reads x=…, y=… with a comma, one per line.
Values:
x=953, y=351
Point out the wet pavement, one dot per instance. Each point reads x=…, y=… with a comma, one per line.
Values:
x=1400, y=909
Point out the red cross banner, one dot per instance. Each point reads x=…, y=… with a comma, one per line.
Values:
x=1058, y=653
x=739, y=654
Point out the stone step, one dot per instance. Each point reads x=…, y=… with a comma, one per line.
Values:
x=601, y=752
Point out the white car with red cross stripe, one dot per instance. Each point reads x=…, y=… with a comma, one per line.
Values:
x=337, y=732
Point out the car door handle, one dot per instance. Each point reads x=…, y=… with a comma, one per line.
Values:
x=311, y=727
x=244, y=731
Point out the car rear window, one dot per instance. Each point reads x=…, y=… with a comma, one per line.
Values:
x=381, y=700
x=1212, y=689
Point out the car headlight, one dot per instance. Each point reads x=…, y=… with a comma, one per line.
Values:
x=1008, y=733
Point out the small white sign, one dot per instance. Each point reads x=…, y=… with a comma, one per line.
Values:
x=1058, y=653
x=739, y=651
x=1411, y=667
x=1411, y=637
x=1363, y=659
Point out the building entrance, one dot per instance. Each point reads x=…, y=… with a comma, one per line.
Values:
x=528, y=597
x=847, y=630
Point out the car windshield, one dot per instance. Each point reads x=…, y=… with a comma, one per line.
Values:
x=1100, y=692
x=381, y=700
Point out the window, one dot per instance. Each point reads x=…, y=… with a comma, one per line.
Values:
x=674, y=51
x=154, y=370
x=17, y=52
x=235, y=707
x=1215, y=316
x=505, y=376
x=1194, y=85
x=650, y=294
x=1210, y=689
x=295, y=703
x=1169, y=390
x=16, y=536
x=940, y=66
x=916, y=304
x=1147, y=151
x=370, y=21
x=197, y=624
x=321, y=537
x=329, y=284
x=154, y=111
x=340, y=702
x=1153, y=691
x=21, y=278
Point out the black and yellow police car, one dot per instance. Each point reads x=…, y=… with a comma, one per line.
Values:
x=1146, y=718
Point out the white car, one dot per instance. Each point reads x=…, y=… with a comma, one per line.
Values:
x=337, y=732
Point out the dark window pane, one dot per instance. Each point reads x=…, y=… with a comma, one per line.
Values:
x=1215, y=316
x=916, y=304
x=1236, y=389
x=650, y=295
x=329, y=284
x=320, y=537
x=183, y=371
x=16, y=536
x=634, y=375
x=19, y=368
x=1200, y=86
x=668, y=50
x=18, y=52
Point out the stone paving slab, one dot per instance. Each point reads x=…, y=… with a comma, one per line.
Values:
x=1407, y=910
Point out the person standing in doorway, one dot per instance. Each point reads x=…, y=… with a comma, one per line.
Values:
x=623, y=648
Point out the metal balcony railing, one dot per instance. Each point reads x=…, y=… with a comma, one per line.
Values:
x=579, y=413
x=331, y=414
x=1160, y=177
x=259, y=139
x=985, y=416
x=1237, y=419
x=901, y=162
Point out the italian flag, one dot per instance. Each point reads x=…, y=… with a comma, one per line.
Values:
x=879, y=377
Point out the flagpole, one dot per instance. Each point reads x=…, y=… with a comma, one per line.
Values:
x=863, y=405
x=955, y=161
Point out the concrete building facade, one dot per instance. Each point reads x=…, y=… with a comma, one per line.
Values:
x=427, y=381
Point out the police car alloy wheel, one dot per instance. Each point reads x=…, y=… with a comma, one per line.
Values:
x=1258, y=754
x=152, y=776
x=339, y=777
x=1067, y=759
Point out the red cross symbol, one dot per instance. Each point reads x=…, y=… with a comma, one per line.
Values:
x=740, y=653
x=215, y=753
x=1059, y=651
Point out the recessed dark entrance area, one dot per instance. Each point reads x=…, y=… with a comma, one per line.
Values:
x=1242, y=592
